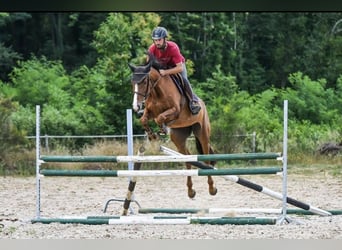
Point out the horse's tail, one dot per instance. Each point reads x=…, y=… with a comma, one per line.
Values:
x=200, y=150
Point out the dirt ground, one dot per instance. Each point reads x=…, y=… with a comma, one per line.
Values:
x=86, y=196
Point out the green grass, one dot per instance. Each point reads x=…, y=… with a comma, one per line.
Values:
x=306, y=169
x=304, y=163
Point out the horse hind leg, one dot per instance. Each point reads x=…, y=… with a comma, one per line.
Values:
x=178, y=136
x=212, y=188
x=207, y=150
x=191, y=191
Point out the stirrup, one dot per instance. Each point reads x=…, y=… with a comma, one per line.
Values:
x=194, y=107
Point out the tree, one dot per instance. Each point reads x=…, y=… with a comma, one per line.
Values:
x=205, y=38
x=8, y=59
x=311, y=100
x=8, y=56
x=122, y=38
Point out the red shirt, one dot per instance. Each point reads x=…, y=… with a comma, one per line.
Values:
x=168, y=57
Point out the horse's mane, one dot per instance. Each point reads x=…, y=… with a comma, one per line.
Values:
x=153, y=61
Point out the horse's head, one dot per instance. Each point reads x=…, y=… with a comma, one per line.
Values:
x=140, y=81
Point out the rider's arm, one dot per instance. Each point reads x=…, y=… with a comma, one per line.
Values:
x=177, y=69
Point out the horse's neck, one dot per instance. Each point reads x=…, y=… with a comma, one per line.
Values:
x=164, y=92
x=160, y=84
x=154, y=75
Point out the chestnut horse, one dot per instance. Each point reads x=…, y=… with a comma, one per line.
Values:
x=157, y=98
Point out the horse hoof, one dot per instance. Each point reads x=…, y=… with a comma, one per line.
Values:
x=153, y=137
x=213, y=191
x=191, y=193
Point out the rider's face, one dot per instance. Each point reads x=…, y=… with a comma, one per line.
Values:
x=160, y=43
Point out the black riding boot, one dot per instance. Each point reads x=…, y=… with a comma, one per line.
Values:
x=193, y=100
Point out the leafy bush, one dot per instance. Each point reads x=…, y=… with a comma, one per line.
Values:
x=45, y=83
x=11, y=138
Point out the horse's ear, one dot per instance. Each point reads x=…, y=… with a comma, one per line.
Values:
x=132, y=67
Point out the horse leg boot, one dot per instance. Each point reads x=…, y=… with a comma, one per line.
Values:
x=194, y=106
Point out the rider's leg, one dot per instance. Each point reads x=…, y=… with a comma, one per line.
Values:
x=193, y=99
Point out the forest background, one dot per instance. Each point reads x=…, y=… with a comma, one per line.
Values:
x=242, y=64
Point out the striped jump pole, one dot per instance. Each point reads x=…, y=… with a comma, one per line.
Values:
x=159, y=158
x=132, y=183
x=181, y=172
x=258, y=188
x=277, y=195
x=159, y=220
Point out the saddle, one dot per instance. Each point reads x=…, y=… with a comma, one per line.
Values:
x=179, y=82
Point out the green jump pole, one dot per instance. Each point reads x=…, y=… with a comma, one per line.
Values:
x=159, y=220
x=306, y=212
x=234, y=221
x=160, y=158
x=129, y=173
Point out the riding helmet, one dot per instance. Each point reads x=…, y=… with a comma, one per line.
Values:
x=158, y=33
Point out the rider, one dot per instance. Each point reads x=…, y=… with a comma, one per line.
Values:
x=170, y=57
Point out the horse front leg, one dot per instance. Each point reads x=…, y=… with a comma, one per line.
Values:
x=144, y=122
x=167, y=116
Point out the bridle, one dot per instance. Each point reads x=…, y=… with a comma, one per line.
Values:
x=140, y=78
x=150, y=85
